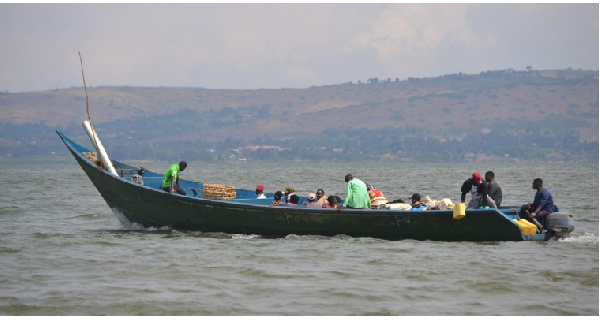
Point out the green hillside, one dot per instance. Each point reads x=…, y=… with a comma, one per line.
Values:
x=560, y=106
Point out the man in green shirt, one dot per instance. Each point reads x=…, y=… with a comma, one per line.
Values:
x=170, y=181
x=357, y=196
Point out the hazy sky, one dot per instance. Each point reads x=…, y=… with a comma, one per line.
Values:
x=250, y=46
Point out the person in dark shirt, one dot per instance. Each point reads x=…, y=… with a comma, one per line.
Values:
x=543, y=203
x=478, y=189
x=493, y=189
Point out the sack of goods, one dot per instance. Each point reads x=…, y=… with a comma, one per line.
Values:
x=218, y=192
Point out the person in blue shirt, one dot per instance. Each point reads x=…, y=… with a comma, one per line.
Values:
x=543, y=204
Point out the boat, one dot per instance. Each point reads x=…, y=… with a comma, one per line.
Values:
x=142, y=201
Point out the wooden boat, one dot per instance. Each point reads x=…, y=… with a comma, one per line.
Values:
x=150, y=206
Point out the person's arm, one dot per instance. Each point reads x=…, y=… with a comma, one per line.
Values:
x=349, y=194
x=484, y=188
x=172, y=182
x=544, y=197
x=536, y=206
x=464, y=189
x=498, y=196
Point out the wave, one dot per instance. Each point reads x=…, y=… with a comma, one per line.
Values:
x=588, y=237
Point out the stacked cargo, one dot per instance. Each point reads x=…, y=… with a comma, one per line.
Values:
x=218, y=192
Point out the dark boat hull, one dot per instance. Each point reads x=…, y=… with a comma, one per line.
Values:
x=154, y=207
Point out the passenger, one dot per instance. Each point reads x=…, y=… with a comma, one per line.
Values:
x=321, y=198
x=292, y=202
x=287, y=192
x=543, y=203
x=493, y=189
x=478, y=189
x=357, y=196
x=170, y=181
x=259, y=192
x=312, y=201
x=277, y=198
x=376, y=197
x=332, y=202
x=417, y=204
x=294, y=199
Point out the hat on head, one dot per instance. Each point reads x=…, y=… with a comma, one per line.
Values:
x=311, y=196
x=477, y=178
x=289, y=189
x=260, y=187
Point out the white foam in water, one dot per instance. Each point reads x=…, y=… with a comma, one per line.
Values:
x=128, y=225
x=245, y=236
x=588, y=237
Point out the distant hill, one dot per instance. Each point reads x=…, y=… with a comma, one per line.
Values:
x=445, y=107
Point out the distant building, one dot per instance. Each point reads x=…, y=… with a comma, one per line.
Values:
x=254, y=148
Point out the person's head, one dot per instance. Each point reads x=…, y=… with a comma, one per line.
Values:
x=332, y=200
x=348, y=177
x=182, y=165
x=489, y=176
x=370, y=187
x=320, y=193
x=311, y=197
x=277, y=196
x=537, y=184
x=259, y=189
x=294, y=199
x=477, y=178
x=415, y=197
x=288, y=190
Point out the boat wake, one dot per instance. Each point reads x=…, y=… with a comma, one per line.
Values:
x=588, y=237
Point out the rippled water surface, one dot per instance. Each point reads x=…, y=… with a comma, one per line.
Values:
x=64, y=252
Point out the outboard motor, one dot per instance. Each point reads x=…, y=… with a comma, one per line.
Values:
x=558, y=225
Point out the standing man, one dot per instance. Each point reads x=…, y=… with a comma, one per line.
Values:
x=357, y=196
x=493, y=189
x=543, y=204
x=170, y=181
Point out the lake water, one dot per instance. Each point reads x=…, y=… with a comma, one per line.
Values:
x=64, y=252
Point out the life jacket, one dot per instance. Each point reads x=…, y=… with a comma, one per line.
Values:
x=377, y=198
x=419, y=205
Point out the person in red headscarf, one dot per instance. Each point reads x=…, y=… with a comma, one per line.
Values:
x=260, y=192
x=478, y=189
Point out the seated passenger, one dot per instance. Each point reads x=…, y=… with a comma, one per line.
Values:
x=417, y=204
x=376, y=196
x=543, y=203
x=321, y=198
x=170, y=182
x=332, y=202
x=287, y=192
x=294, y=199
x=292, y=202
x=259, y=192
x=277, y=198
x=312, y=203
